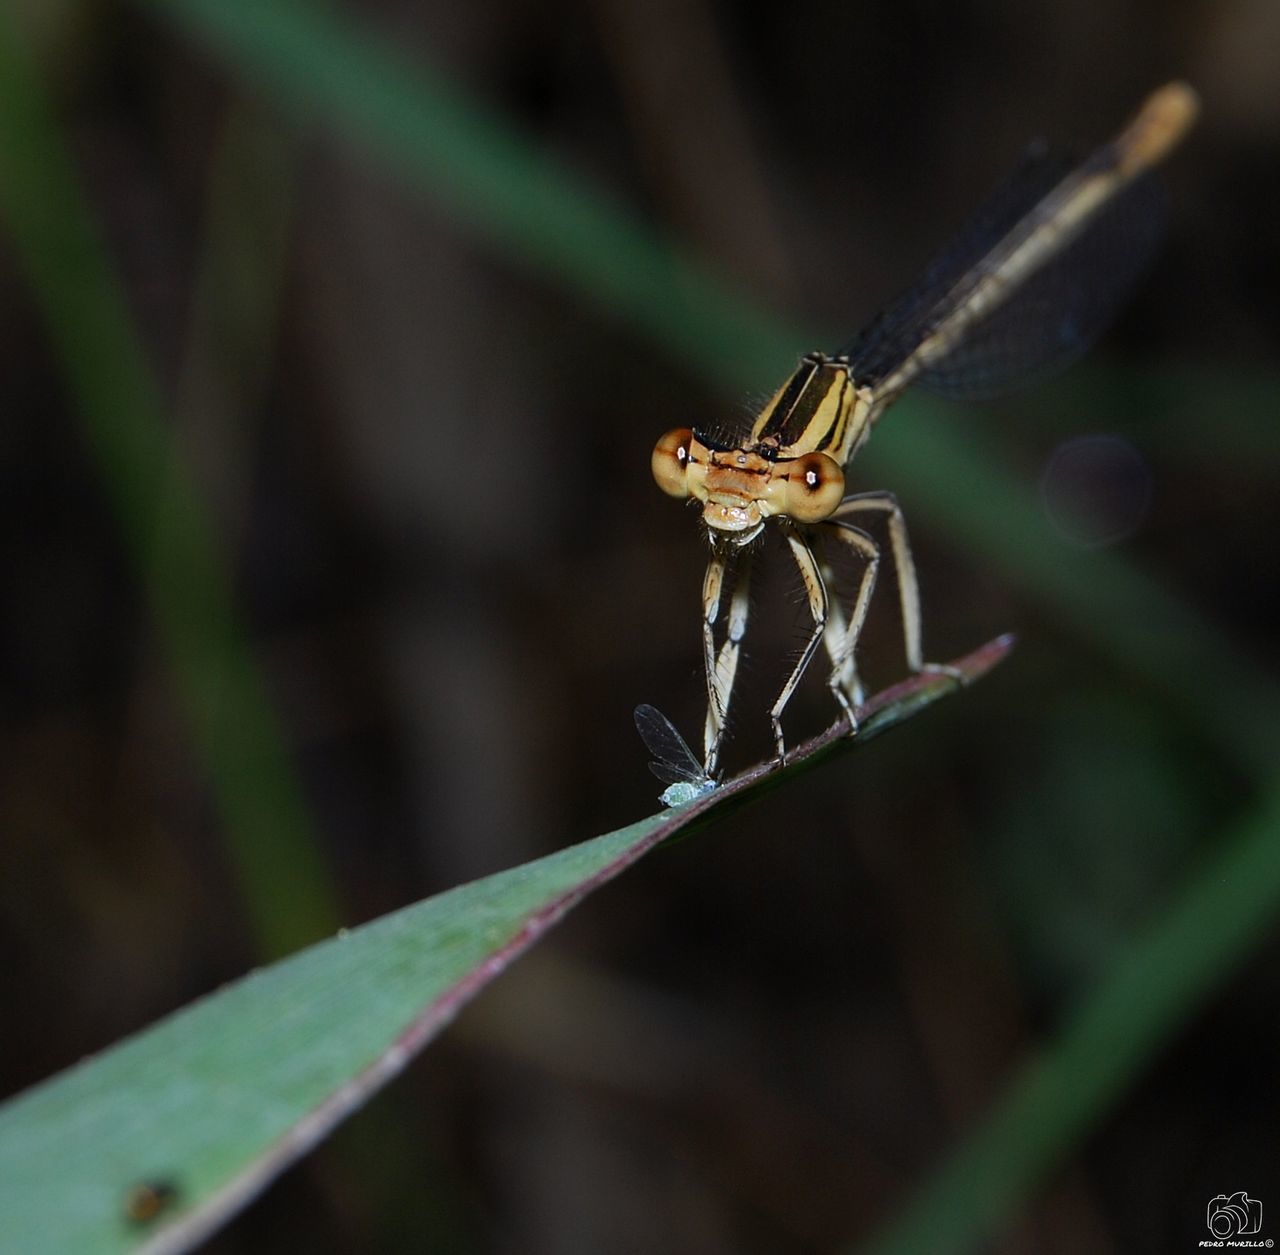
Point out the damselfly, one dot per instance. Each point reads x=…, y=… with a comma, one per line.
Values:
x=1023, y=289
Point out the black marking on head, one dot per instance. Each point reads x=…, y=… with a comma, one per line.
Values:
x=720, y=438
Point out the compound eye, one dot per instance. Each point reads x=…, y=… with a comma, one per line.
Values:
x=815, y=486
x=670, y=461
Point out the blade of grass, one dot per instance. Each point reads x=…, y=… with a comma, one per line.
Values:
x=218, y=1099
x=286, y=890
x=1152, y=990
x=319, y=62
x=1167, y=409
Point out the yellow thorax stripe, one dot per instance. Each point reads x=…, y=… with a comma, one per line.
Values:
x=809, y=413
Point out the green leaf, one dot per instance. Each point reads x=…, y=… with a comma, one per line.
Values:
x=212, y=1103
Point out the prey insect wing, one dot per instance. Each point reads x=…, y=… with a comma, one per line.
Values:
x=673, y=760
x=674, y=763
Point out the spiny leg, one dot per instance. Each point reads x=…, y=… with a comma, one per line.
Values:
x=722, y=666
x=816, y=591
x=843, y=679
x=726, y=664
x=908, y=586
x=841, y=638
x=712, y=587
x=833, y=640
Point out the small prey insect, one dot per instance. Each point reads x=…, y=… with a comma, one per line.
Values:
x=674, y=762
x=1022, y=290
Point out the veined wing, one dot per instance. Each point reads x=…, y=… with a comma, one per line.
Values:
x=673, y=760
x=1035, y=275
x=1056, y=314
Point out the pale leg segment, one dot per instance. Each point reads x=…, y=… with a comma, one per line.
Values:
x=908, y=587
x=722, y=666
x=841, y=636
x=816, y=590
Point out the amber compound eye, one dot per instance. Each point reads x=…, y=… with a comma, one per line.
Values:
x=815, y=486
x=671, y=460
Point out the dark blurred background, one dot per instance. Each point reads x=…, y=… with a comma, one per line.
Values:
x=428, y=469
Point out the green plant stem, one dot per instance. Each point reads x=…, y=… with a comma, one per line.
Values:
x=285, y=888
x=1152, y=990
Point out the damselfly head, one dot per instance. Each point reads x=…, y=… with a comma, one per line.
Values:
x=727, y=482
x=744, y=487
x=740, y=487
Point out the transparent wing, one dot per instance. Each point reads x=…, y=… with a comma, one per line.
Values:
x=1059, y=312
x=1052, y=315
x=674, y=761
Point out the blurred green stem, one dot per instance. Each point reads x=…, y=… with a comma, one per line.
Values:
x=90, y=329
x=1155, y=986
